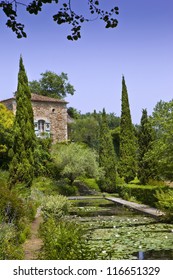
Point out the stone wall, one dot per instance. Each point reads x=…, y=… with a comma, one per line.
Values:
x=56, y=114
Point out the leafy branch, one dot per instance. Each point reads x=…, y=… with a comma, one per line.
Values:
x=64, y=15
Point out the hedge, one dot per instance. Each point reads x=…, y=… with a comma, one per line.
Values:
x=144, y=194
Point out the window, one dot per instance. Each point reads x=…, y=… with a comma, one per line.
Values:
x=42, y=128
x=41, y=125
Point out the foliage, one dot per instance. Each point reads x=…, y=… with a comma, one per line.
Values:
x=160, y=154
x=74, y=160
x=52, y=85
x=165, y=202
x=64, y=15
x=42, y=157
x=11, y=206
x=6, y=135
x=10, y=249
x=65, y=240
x=73, y=113
x=85, y=130
x=64, y=188
x=127, y=164
x=54, y=206
x=91, y=184
x=142, y=193
x=116, y=140
x=144, y=144
x=43, y=186
x=16, y=212
x=107, y=157
x=22, y=164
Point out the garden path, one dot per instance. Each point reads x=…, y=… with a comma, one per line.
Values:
x=33, y=245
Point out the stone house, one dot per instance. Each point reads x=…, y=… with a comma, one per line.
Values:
x=50, y=116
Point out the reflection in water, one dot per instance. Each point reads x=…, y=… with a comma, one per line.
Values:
x=156, y=255
x=140, y=255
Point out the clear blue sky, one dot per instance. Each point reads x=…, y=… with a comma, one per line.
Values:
x=140, y=48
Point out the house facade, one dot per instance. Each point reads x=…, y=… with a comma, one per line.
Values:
x=50, y=116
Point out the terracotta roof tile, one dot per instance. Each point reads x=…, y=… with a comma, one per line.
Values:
x=37, y=97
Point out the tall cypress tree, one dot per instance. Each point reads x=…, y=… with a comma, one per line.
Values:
x=107, y=158
x=127, y=163
x=22, y=164
x=144, y=143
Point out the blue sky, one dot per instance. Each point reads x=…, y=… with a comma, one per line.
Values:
x=140, y=48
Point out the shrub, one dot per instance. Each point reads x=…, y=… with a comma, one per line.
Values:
x=64, y=240
x=9, y=246
x=91, y=183
x=64, y=188
x=54, y=206
x=11, y=207
x=43, y=185
x=165, y=202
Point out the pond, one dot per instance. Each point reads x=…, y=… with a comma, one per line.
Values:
x=121, y=233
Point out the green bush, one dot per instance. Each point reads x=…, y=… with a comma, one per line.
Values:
x=54, y=206
x=10, y=248
x=91, y=184
x=44, y=185
x=64, y=240
x=64, y=188
x=165, y=203
x=11, y=207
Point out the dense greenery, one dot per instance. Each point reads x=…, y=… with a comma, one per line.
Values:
x=16, y=213
x=144, y=143
x=107, y=159
x=22, y=163
x=65, y=14
x=160, y=156
x=127, y=165
x=6, y=135
x=85, y=128
x=52, y=85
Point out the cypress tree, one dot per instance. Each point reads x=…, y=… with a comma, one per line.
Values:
x=144, y=143
x=22, y=163
x=127, y=163
x=107, y=158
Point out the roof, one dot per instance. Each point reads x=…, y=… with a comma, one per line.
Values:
x=38, y=98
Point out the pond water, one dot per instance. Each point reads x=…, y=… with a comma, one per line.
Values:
x=120, y=233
